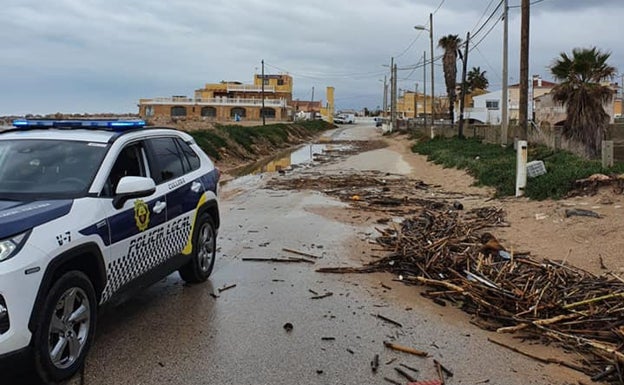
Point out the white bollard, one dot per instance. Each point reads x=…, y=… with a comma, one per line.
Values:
x=521, y=167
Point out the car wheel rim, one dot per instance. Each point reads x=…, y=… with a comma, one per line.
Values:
x=206, y=247
x=69, y=327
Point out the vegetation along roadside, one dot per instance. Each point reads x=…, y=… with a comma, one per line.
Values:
x=495, y=166
x=238, y=144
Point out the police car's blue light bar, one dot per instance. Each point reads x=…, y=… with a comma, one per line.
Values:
x=110, y=124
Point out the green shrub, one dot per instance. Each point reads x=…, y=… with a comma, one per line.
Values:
x=210, y=142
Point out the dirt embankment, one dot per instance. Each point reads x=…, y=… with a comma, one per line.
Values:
x=231, y=146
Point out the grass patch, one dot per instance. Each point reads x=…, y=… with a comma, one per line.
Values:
x=495, y=166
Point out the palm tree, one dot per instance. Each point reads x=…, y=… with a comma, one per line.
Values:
x=450, y=44
x=476, y=79
x=581, y=92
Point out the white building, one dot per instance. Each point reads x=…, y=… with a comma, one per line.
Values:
x=486, y=109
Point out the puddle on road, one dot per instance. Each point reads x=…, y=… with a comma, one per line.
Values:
x=288, y=159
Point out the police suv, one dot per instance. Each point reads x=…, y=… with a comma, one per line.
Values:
x=90, y=210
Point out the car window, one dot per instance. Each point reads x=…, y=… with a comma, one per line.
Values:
x=191, y=160
x=48, y=168
x=167, y=159
x=129, y=163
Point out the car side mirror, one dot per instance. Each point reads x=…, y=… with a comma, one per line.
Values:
x=130, y=187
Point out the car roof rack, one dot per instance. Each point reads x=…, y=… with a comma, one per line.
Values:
x=116, y=125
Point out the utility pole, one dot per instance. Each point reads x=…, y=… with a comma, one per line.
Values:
x=262, y=110
x=505, y=92
x=392, y=92
x=425, y=88
x=462, y=101
x=432, y=68
x=524, y=69
x=415, y=101
x=394, y=97
x=312, y=105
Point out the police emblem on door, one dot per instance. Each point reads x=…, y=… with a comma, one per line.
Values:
x=141, y=214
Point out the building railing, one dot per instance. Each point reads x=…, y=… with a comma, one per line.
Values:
x=216, y=101
x=249, y=88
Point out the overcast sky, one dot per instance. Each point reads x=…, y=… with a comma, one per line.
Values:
x=89, y=56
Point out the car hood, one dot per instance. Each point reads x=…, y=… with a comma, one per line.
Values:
x=17, y=217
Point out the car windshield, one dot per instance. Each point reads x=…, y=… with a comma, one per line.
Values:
x=35, y=169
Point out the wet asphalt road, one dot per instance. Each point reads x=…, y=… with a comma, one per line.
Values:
x=172, y=333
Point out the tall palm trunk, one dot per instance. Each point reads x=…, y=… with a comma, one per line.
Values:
x=450, y=44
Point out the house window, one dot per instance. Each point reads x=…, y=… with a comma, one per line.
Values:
x=237, y=111
x=280, y=82
x=268, y=112
x=491, y=104
x=178, y=111
x=209, y=112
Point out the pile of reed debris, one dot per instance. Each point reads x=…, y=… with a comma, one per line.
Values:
x=451, y=251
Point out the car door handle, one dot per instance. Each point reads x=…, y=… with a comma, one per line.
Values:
x=196, y=186
x=159, y=207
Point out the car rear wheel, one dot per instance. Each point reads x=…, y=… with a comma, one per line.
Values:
x=200, y=266
x=66, y=327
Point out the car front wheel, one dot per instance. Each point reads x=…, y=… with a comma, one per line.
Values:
x=202, y=261
x=66, y=327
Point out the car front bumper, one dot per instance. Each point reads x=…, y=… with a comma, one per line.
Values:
x=18, y=290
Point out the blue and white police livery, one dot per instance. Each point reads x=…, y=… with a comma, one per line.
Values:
x=90, y=210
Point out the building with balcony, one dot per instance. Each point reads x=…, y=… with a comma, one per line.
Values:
x=227, y=101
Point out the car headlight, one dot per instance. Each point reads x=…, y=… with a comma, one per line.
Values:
x=10, y=246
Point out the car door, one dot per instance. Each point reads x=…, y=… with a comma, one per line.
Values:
x=176, y=168
x=137, y=228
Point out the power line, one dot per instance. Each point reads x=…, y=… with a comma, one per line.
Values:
x=488, y=19
x=440, y=6
x=474, y=46
x=482, y=16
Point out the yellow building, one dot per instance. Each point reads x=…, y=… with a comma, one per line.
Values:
x=413, y=104
x=228, y=101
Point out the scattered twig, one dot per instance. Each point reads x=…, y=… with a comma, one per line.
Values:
x=328, y=294
x=385, y=286
x=405, y=374
x=282, y=260
x=405, y=349
x=439, y=370
x=410, y=368
x=390, y=380
x=300, y=253
x=541, y=359
x=222, y=289
x=388, y=320
x=444, y=369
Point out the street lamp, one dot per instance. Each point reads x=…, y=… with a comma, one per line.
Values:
x=430, y=29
